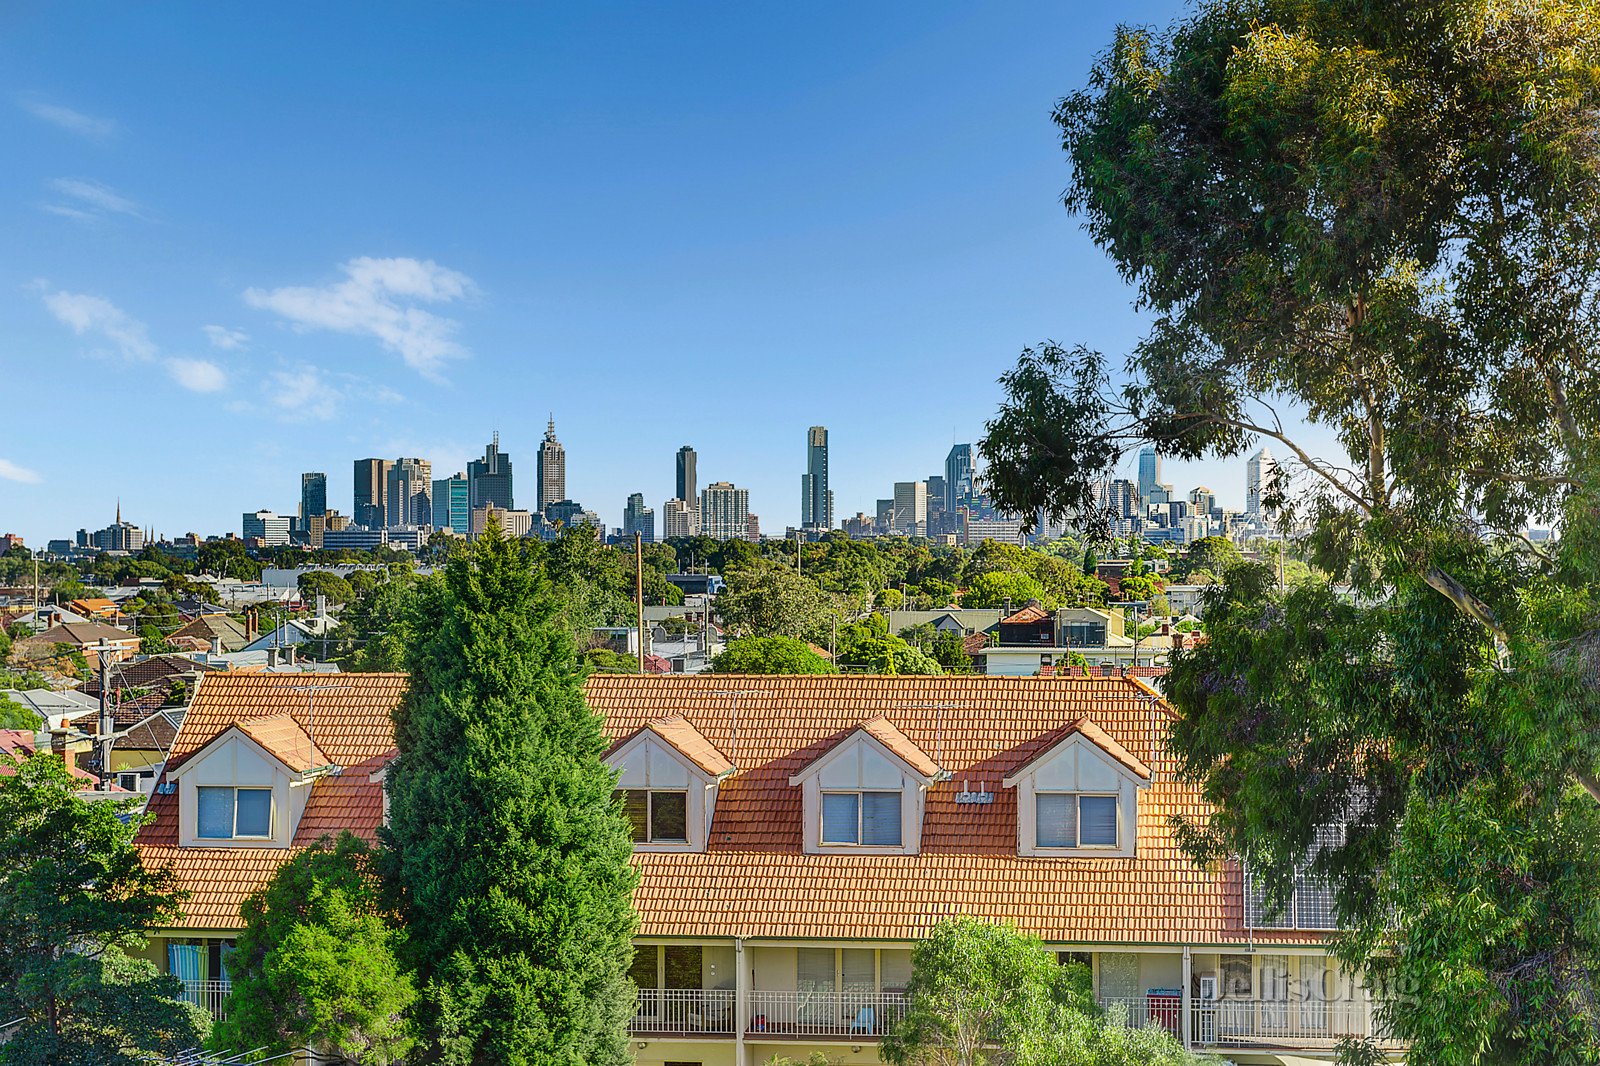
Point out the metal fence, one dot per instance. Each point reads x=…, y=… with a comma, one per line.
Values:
x=825, y=1013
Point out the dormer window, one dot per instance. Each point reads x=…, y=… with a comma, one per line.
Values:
x=233, y=813
x=1078, y=794
x=1076, y=820
x=667, y=778
x=865, y=792
x=869, y=818
x=658, y=816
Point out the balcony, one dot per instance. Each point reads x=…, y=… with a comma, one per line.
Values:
x=863, y=1014
x=1245, y=1023
x=211, y=996
x=684, y=1010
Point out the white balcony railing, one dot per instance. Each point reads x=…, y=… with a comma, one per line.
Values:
x=684, y=1010
x=863, y=1014
x=1245, y=1022
x=209, y=995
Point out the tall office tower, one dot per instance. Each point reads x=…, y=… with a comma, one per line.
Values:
x=372, y=486
x=552, y=468
x=1202, y=499
x=637, y=518
x=677, y=519
x=489, y=478
x=409, y=501
x=725, y=511
x=452, y=504
x=910, y=508
x=269, y=528
x=313, y=497
x=960, y=485
x=1259, y=474
x=1149, y=471
x=688, y=487
x=816, y=501
x=883, y=515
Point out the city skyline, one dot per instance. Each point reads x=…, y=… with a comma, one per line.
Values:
x=450, y=253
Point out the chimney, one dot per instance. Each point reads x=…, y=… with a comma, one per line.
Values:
x=216, y=645
x=272, y=657
x=322, y=605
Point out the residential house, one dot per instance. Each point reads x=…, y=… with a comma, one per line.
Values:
x=95, y=607
x=211, y=632
x=315, y=632
x=796, y=837
x=1032, y=641
x=83, y=637
x=19, y=744
x=54, y=707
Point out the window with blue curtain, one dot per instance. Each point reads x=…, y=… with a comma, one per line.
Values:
x=1056, y=821
x=1097, y=821
x=880, y=818
x=254, y=814
x=214, y=812
x=840, y=822
x=183, y=961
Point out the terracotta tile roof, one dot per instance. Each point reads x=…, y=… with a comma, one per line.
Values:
x=22, y=744
x=973, y=643
x=1031, y=613
x=1042, y=746
x=282, y=736
x=80, y=633
x=754, y=879
x=687, y=740
x=353, y=729
x=882, y=730
x=221, y=626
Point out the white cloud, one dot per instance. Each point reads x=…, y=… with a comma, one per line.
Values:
x=94, y=200
x=12, y=472
x=303, y=393
x=197, y=375
x=225, y=339
x=96, y=129
x=377, y=298
x=87, y=314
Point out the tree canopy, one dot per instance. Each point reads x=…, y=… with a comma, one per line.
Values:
x=1380, y=218
x=770, y=655
x=76, y=902
x=506, y=848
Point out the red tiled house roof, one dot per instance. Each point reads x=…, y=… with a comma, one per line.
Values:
x=754, y=879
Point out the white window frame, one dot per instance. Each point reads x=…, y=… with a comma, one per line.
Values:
x=1125, y=781
x=649, y=816
x=1077, y=823
x=861, y=814
x=236, y=789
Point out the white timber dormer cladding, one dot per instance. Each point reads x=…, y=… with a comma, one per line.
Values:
x=862, y=797
x=1079, y=797
x=236, y=793
x=669, y=797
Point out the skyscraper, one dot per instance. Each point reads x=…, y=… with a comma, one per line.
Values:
x=637, y=518
x=372, y=485
x=910, y=508
x=688, y=487
x=816, y=499
x=1259, y=474
x=725, y=511
x=552, y=468
x=409, y=500
x=452, y=507
x=489, y=478
x=959, y=483
x=677, y=519
x=1149, y=471
x=313, y=497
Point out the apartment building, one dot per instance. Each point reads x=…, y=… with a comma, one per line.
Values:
x=796, y=836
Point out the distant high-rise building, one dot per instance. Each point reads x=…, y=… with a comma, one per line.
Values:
x=725, y=511
x=688, y=487
x=1202, y=499
x=552, y=469
x=816, y=499
x=960, y=485
x=409, y=501
x=371, y=490
x=119, y=536
x=936, y=495
x=269, y=528
x=637, y=518
x=910, y=508
x=677, y=519
x=489, y=478
x=1259, y=474
x=1149, y=471
x=313, y=497
x=452, y=504
x=883, y=513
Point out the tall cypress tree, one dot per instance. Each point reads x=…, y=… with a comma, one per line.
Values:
x=508, y=855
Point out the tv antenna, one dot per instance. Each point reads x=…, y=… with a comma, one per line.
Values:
x=734, y=693
x=327, y=770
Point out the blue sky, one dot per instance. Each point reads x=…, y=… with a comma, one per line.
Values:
x=244, y=242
